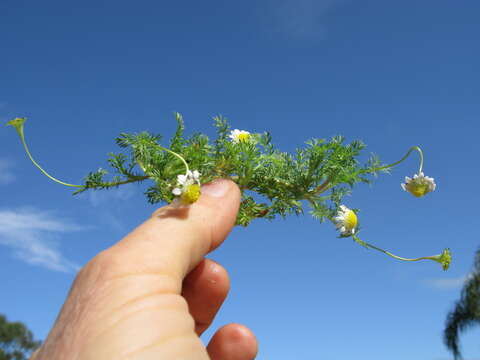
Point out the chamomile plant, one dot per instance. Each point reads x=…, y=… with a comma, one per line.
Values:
x=318, y=175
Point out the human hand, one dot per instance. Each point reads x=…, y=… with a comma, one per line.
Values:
x=151, y=295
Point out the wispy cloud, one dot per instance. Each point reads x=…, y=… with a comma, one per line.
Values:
x=447, y=283
x=109, y=202
x=298, y=19
x=104, y=197
x=30, y=234
x=6, y=174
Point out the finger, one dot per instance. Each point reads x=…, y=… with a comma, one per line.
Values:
x=174, y=240
x=205, y=288
x=233, y=342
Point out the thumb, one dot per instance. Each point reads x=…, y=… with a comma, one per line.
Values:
x=174, y=240
x=126, y=299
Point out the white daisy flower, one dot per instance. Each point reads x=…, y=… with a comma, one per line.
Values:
x=346, y=221
x=239, y=136
x=188, y=187
x=420, y=185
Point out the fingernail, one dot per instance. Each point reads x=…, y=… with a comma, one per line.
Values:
x=217, y=188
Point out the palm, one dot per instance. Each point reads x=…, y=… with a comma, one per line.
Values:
x=466, y=312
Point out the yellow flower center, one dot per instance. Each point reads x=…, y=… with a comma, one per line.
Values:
x=243, y=137
x=191, y=194
x=351, y=220
x=418, y=190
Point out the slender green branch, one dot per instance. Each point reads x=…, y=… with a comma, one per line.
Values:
x=321, y=188
x=444, y=258
x=112, y=184
x=177, y=155
x=141, y=165
x=18, y=125
x=399, y=161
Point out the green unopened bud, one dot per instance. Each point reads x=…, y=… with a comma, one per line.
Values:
x=17, y=123
x=445, y=258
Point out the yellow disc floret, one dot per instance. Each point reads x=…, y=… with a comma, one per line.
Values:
x=418, y=190
x=190, y=194
x=351, y=220
x=346, y=221
x=243, y=137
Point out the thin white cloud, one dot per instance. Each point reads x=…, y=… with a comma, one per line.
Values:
x=298, y=19
x=6, y=174
x=104, y=197
x=30, y=234
x=109, y=202
x=447, y=283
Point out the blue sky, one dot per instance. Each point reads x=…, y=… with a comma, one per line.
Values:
x=393, y=74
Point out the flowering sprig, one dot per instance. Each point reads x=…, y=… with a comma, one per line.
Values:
x=319, y=175
x=188, y=190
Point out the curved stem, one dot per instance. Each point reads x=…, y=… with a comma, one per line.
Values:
x=402, y=159
x=141, y=165
x=177, y=155
x=443, y=259
x=364, y=243
x=22, y=137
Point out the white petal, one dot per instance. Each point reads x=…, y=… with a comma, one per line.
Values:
x=234, y=133
x=196, y=175
x=182, y=179
x=177, y=192
x=403, y=187
x=407, y=179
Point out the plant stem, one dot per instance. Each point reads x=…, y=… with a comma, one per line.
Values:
x=22, y=138
x=111, y=184
x=177, y=155
x=399, y=161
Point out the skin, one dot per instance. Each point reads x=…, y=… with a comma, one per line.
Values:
x=151, y=295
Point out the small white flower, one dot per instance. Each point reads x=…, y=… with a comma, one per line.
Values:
x=420, y=185
x=346, y=221
x=239, y=135
x=188, y=187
